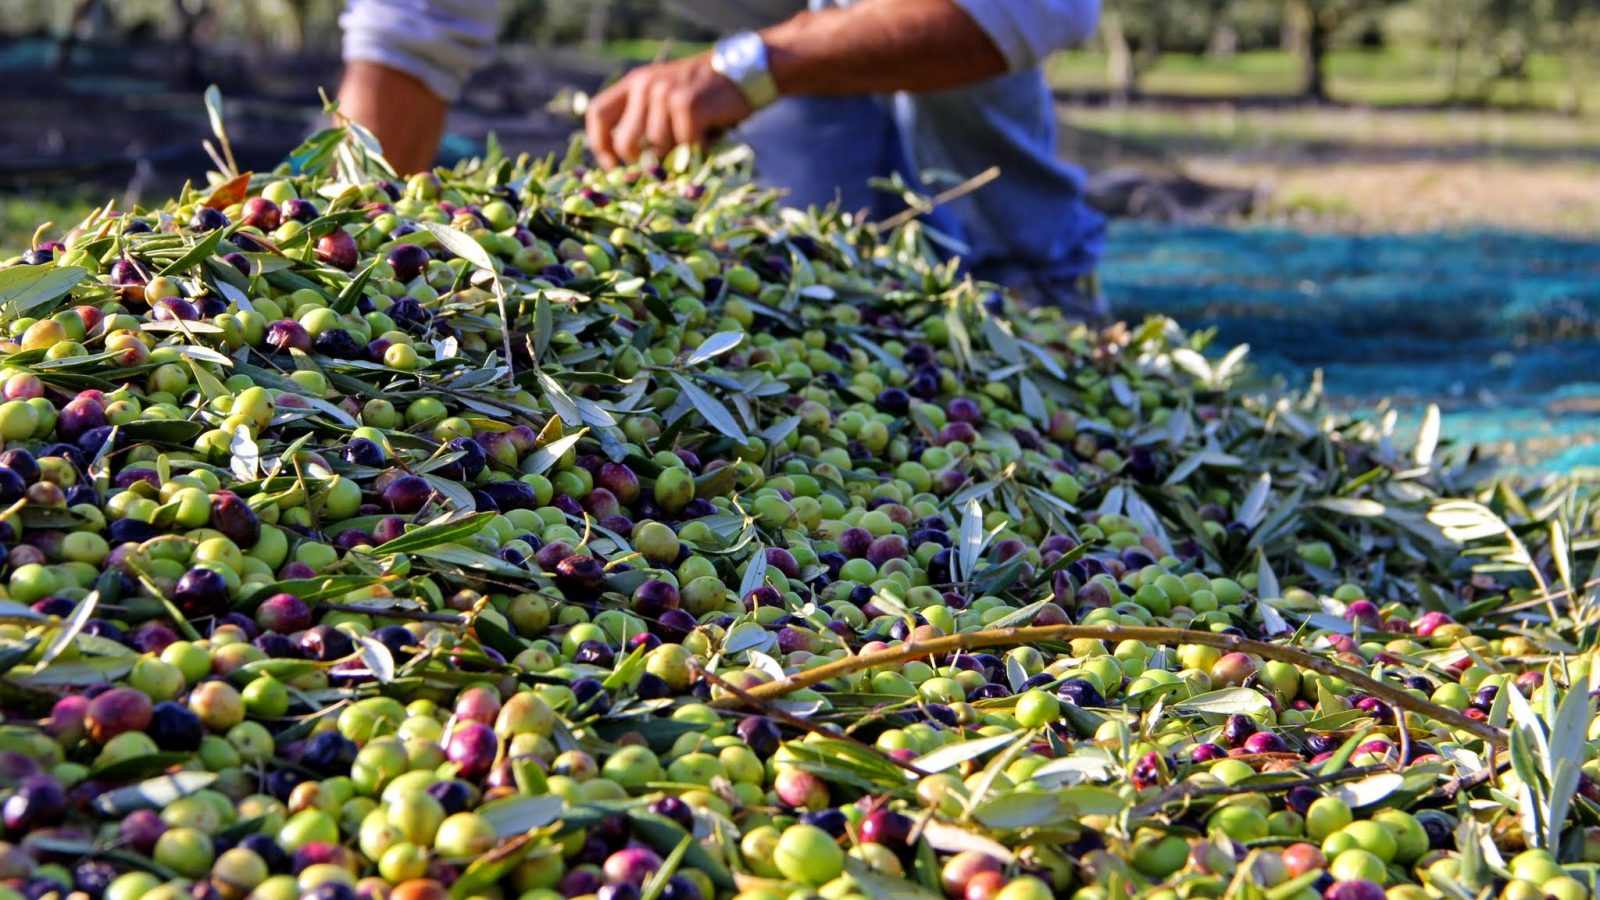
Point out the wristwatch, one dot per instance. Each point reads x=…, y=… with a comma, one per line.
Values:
x=742, y=59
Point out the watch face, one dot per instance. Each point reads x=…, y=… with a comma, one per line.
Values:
x=742, y=51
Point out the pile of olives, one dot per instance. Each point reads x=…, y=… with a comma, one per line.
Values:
x=472, y=536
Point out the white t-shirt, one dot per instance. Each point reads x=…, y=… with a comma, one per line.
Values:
x=442, y=42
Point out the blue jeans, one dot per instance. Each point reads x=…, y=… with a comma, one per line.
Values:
x=1030, y=229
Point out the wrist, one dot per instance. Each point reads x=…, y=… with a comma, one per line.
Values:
x=743, y=59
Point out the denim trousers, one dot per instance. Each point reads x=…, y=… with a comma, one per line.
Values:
x=1030, y=229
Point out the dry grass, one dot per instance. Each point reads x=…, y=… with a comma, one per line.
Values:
x=1422, y=195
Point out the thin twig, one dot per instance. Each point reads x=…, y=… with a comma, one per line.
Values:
x=1003, y=637
x=1187, y=790
x=787, y=718
x=938, y=200
x=396, y=613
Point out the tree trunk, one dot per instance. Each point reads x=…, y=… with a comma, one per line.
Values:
x=1313, y=56
x=81, y=17
x=1292, y=33
x=598, y=25
x=1121, y=73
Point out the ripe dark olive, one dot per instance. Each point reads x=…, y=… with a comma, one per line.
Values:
x=473, y=458
x=406, y=494
x=1354, y=890
x=580, y=577
x=409, y=314
x=890, y=546
x=78, y=416
x=1080, y=693
x=1264, y=742
x=472, y=747
x=761, y=734
x=207, y=219
x=117, y=711
x=454, y=795
x=201, y=592
x=1237, y=728
x=510, y=495
x=408, y=261
x=401, y=643
x=38, y=801
x=619, y=480
x=140, y=829
x=259, y=212
x=593, y=700
x=594, y=653
x=328, y=753
x=174, y=726
x=653, y=598
x=674, y=625
x=338, y=248
x=894, y=401
x=285, y=335
x=283, y=613
x=338, y=344
x=325, y=644
x=854, y=542
x=887, y=827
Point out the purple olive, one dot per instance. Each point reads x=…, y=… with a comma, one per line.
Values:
x=620, y=481
x=174, y=309
x=580, y=577
x=38, y=801
x=338, y=249
x=337, y=343
x=232, y=516
x=408, y=261
x=406, y=494
x=472, y=747
x=201, y=592
x=963, y=409
x=510, y=495
x=632, y=865
x=890, y=546
x=174, y=726
x=285, y=335
x=283, y=613
x=653, y=598
x=325, y=644
x=299, y=210
x=854, y=542
x=207, y=219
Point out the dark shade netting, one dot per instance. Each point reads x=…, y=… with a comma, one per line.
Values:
x=1502, y=330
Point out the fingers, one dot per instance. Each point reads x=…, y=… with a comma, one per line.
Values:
x=629, y=131
x=661, y=107
x=658, y=121
x=600, y=122
x=680, y=113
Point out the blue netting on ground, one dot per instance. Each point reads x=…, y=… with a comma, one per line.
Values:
x=1501, y=329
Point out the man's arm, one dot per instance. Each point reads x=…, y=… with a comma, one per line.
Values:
x=868, y=47
x=405, y=63
x=404, y=115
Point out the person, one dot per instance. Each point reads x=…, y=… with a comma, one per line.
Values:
x=829, y=98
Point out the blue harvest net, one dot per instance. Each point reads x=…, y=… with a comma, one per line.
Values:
x=1502, y=330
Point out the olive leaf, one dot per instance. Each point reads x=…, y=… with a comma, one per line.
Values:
x=450, y=531
x=24, y=289
x=81, y=614
x=714, y=346
x=715, y=414
x=154, y=793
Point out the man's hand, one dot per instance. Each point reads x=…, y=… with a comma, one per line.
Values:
x=661, y=106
